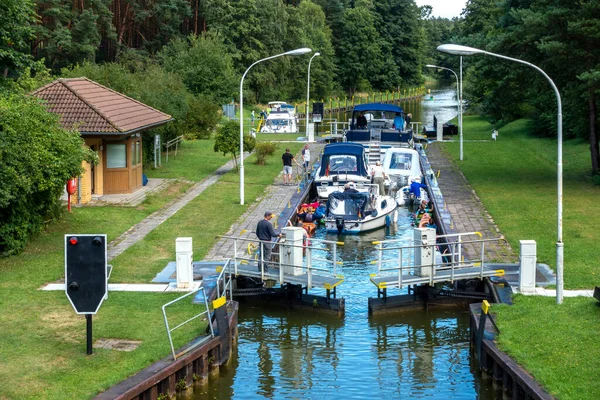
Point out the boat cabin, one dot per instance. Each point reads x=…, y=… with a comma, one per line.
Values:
x=378, y=122
x=401, y=164
x=341, y=163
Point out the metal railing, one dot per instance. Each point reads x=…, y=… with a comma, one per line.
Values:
x=450, y=259
x=173, y=142
x=246, y=251
x=224, y=281
x=169, y=330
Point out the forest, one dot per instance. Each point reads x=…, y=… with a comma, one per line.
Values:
x=186, y=57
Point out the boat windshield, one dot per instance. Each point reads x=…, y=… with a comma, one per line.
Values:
x=348, y=205
x=279, y=122
x=401, y=161
x=342, y=163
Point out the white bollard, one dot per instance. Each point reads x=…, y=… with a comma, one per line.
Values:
x=424, y=255
x=183, y=260
x=527, y=266
x=291, y=250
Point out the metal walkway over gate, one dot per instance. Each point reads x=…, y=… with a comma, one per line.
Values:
x=430, y=260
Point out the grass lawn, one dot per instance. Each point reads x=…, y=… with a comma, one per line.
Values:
x=43, y=340
x=516, y=179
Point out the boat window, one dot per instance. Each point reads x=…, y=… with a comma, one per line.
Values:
x=339, y=163
x=401, y=161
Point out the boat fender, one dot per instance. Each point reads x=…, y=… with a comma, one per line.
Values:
x=387, y=220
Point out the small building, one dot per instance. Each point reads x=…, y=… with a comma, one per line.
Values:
x=110, y=124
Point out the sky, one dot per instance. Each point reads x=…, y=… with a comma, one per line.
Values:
x=444, y=8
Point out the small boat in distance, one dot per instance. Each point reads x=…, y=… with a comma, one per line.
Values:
x=281, y=118
x=351, y=213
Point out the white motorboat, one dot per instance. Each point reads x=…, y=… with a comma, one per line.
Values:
x=281, y=118
x=351, y=213
x=342, y=163
x=401, y=166
x=280, y=122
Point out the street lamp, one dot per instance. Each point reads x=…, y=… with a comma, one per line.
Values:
x=308, y=91
x=468, y=51
x=459, y=97
x=296, y=52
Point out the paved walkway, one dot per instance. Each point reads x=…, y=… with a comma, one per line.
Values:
x=468, y=214
x=139, y=231
x=276, y=199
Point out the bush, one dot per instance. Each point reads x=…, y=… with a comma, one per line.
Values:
x=37, y=157
x=263, y=150
x=202, y=118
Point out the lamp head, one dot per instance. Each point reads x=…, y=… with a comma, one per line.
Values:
x=297, y=52
x=317, y=54
x=431, y=66
x=459, y=50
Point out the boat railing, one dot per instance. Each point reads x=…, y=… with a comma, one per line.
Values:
x=318, y=257
x=447, y=260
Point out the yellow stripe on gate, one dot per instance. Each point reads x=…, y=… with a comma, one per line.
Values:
x=219, y=302
x=485, y=307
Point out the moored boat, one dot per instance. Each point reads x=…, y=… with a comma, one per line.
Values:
x=351, y=213
x=281, y=118
x=341, y=164
x=379, y=122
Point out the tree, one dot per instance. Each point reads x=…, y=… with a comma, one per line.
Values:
x=227, y=140
x=70, y=32
x=37, y=157
x=204, y=63
x=363, y=58
x=16, y=29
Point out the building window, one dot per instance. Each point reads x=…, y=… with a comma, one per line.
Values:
x=116, y=156
x=138, y=152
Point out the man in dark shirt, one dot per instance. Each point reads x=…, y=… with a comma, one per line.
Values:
x=361, y=121
x=264, y=232
x=287, y=158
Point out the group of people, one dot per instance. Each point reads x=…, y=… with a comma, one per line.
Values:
x=288, y=158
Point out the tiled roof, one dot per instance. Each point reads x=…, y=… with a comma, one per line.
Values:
x=92, y=108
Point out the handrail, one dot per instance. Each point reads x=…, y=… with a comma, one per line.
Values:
x=454, y=264
x=173, y=142
x=227, y=282
x=307, y=263
x=169, y=330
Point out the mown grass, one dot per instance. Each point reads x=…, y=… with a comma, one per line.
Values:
x=43, y=340
x=558, y=345
x=516, y=179
x=212, y=213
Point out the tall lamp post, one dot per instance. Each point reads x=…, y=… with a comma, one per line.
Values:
x=459, y=98
x=296, y=52
x=308, y=91
x=468, y=51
